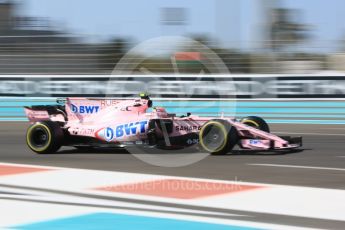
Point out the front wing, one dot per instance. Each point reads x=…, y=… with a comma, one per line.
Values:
x=264, y=144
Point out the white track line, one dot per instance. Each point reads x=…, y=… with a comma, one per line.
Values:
x=299, y=166
x=81, y=170
x=318, y=203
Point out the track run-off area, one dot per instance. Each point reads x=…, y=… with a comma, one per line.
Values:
x=303, y=188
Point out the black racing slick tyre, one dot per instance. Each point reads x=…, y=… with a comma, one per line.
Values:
x=44, y=137
x=218, y=137
x=256, y=122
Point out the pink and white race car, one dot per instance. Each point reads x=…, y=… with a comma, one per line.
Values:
x=96, y=123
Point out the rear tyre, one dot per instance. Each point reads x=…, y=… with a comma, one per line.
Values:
x=256, y=122
x=44, y=137
x=218, y=137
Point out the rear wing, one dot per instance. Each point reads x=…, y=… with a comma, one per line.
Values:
x=77, y=109
x=46, y=113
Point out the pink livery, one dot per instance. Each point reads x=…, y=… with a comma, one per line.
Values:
x=113, y=123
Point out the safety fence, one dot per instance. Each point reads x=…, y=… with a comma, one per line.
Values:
x=274, y=111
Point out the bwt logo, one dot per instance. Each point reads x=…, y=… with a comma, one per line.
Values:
x=124, y=130
x=130, y=129
x=254, y=142
x=85, y=109
x=109, y=134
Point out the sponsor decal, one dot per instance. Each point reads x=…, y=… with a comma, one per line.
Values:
x=86, y=132
x=123, y=130
x=109, y=134
x=108, y=103
x=254, y=142
x=37, y=114
x=188, y=128
x=192, y=141
x=85, y=109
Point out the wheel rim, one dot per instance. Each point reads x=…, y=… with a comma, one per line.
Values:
x=213, y=138
x=39, y=137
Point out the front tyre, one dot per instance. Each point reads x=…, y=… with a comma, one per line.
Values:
x=218, y=137
x=44, y=137
x=256, y=122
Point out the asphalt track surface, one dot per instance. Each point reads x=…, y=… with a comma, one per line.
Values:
x=320, y=163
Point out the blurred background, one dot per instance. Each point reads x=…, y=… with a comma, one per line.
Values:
x=250, y=36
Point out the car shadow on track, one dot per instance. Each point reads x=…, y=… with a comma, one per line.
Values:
x=126, y=151
x=92, y=151
x=233, y=153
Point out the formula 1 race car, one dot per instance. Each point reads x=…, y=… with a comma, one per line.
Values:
x=93, y=123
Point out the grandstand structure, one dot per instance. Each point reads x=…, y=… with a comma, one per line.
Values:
x=33, y=45
x=30, y=45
